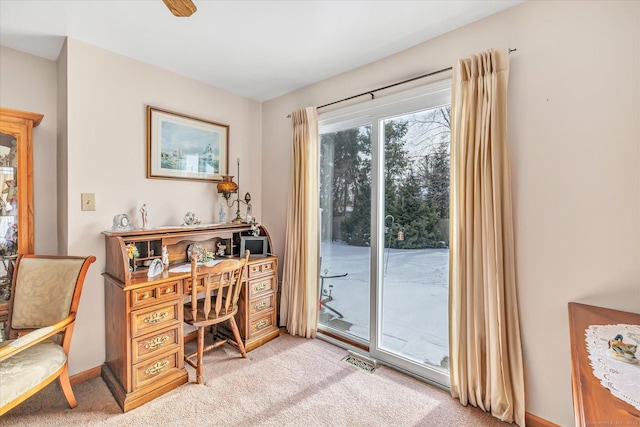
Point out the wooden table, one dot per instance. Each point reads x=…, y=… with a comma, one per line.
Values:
x=593, y=404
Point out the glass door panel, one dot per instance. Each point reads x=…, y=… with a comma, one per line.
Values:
x=8, y=212
x=345, y=231
x=413, y=330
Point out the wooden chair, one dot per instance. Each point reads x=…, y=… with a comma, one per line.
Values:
x=219, y=287
x=42, y=311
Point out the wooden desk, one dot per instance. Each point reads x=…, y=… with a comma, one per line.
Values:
x=593, y=404
x=144, y=316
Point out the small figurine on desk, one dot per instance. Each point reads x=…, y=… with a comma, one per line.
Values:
x=165, y=255
x=145, y=216
x=190, y=219
x=221, y=249
x=222, y=214
x=620, y=350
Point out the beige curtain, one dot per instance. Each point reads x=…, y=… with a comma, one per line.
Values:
x=485, y=347
x=299, y=298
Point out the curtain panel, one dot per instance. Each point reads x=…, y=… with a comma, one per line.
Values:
x=299, y=298
x=485, y=347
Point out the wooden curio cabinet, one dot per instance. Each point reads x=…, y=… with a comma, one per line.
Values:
x=16, y=195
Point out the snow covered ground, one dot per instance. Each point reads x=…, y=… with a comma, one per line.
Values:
x=414, y=298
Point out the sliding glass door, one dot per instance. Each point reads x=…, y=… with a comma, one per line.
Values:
x=345, y=205
x=384, y=201
x=412, y=288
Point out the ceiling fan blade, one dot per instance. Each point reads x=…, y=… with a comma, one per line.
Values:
x=182, y=8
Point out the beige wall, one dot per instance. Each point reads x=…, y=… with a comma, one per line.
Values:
x=573, y=129
x=574, y=104
x=101, y=137
x=28, y=83
x=106, y=141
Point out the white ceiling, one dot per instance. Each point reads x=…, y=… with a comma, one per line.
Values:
x=258, y=49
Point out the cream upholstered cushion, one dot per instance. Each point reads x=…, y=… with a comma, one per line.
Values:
x=43, y=292
x=29, y=368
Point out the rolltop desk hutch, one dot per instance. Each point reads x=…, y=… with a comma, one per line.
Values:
x=144, y=316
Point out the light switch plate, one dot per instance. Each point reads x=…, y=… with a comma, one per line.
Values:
x=88, y=201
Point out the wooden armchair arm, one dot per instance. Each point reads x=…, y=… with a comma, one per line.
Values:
x=34, y=337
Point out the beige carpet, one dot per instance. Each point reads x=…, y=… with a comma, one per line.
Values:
x=287, y=382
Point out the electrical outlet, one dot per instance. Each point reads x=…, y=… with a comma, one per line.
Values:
x=88, y=201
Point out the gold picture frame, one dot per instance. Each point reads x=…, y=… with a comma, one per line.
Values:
x=185, y=147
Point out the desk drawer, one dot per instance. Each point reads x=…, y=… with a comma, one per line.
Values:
x=148, y=372
x=151, y=294
x=154, y=318
x=262, y=324
x=259, y=287
x=150, y=345
x=261, y=268
x=262, y=304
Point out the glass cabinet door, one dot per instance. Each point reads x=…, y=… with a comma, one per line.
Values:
x=8, y=211
x=16, y=196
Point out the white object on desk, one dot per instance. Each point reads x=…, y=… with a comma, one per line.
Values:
x=155, y=268
x=185, y=268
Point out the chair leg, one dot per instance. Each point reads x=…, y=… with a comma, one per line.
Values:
x=200, y=355
x=66, y=387
x=236, y=334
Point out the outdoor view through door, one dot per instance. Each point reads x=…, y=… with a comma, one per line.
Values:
x=404, y=241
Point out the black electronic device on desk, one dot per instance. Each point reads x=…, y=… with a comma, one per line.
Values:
x=258, y=247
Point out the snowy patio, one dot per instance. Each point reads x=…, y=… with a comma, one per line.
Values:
x=414, y=299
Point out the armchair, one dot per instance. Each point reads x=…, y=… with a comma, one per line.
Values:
x=42, y=310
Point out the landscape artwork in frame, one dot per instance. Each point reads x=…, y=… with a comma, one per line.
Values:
x=185, y=147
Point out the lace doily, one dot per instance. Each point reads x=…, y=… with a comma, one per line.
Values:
x=622, y=379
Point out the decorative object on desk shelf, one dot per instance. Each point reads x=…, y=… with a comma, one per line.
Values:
x=622, y=351
x=145, y=216
x=155, y=268
x=221, y=249
x=132, y=253
x=121, y=222
x=165, y=255
x=200, y=253
x=3, y=207
x=227, y=187
x=255, y=226
x=190, y=219
x=185, y=147
x=194, y=250
x=222, y=215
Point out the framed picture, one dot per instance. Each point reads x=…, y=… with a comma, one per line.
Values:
x=185, y=147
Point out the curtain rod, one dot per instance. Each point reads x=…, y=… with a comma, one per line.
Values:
x=371, y=92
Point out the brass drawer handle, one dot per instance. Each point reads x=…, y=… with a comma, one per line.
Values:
x=156, y=317
x=260, y=287
x=261, y=324
x=156, y=368
x=144, y=296
x=168, y=290
x=260, y=306
x=157, y=342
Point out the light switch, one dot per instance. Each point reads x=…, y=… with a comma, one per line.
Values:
x=88, y=201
